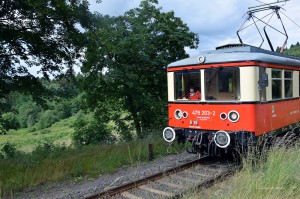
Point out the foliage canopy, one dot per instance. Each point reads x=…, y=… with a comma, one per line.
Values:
x=39, y=33
x=125, y=65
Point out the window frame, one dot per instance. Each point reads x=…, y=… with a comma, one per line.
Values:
x=280, y=84
x=291, y=83
x=234, y=90
x=186, y=85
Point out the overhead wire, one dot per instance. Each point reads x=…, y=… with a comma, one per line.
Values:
x=289, y=19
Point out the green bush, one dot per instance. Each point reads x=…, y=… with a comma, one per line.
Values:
x=2, y=130
x=88, y=131
x=76, y=104
x=47, y=119
x=9, y=150
x=31, y=120
x=29, y=113
x=10, y=121
x=63, y=109
x=44, y=150
x=92, y=133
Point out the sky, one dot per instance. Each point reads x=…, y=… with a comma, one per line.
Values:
x=217, y=21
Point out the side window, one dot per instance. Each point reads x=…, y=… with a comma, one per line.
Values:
x=222, y=84
x=276, y=84
x=262, y=89
x=288, y=84
x=188, y=85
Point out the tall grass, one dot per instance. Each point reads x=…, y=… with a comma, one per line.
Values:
x=51, y=163
x=276, y=176
x=268, y=174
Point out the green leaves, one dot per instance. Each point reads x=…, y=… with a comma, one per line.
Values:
x=39, y=33
x=294, y=50
x=125, y=64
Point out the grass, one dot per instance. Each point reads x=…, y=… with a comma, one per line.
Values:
x=51, y=163
x=27, y=139
x=275, y=176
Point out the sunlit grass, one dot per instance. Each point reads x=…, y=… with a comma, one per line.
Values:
x=61, y=160
x=27, y=139
x=57, y=163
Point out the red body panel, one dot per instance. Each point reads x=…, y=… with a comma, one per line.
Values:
x=275, y=115
x=258, y=118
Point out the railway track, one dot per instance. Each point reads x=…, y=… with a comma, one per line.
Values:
x=172, y=183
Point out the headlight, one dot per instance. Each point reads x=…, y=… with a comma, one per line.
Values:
x=223, y=116
x=169, y=134
x=233, y=116
x=178, y=114
x=185, y=114
x=222, y=139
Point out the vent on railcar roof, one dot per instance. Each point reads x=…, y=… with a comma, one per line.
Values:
x=230, y=46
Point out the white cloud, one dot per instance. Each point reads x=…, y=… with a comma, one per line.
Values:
x=216, y=21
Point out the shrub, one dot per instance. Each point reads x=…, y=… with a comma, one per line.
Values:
x=47, y=119
x=44, y=149
x=47, y=149
x=91, y=134
x=10, y=121
x=76, y=104
x=31, y=120
x=31, y=129
x=63, y=109
x=2, y=130
x=28, y=113
x=9, y=150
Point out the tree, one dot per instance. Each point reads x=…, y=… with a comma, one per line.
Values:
x=88, y=131
x=28, y=113
x=294, y=50
x=126, y=62
x=46, y=119
x=10, y=121
x=39, y=33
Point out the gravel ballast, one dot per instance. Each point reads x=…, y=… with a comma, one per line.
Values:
x=85, y=187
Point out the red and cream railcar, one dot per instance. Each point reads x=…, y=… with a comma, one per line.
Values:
x=245, y=92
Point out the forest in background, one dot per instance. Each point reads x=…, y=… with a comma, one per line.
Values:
x=122, y=84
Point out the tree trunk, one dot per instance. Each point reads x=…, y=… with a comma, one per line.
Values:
x=133, y=111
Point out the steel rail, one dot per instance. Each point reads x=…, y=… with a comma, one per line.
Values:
x=209, y=182
x=131, y=185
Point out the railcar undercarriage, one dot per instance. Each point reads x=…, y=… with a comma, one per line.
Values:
x=214, y=143
x=222, y=143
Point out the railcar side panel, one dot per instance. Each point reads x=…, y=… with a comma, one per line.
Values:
x=275, y=115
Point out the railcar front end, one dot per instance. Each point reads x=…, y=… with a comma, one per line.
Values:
x=244, y=92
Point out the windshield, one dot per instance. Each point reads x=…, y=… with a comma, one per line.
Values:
x=222, y=84
x=188, y=85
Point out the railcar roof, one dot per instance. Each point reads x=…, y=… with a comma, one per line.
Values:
x=238, y=53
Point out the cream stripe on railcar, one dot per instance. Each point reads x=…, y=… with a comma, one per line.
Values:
x=171, y=94
x=269, y=88
x=202, y=85
x=295, y=83
x=249, y=83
